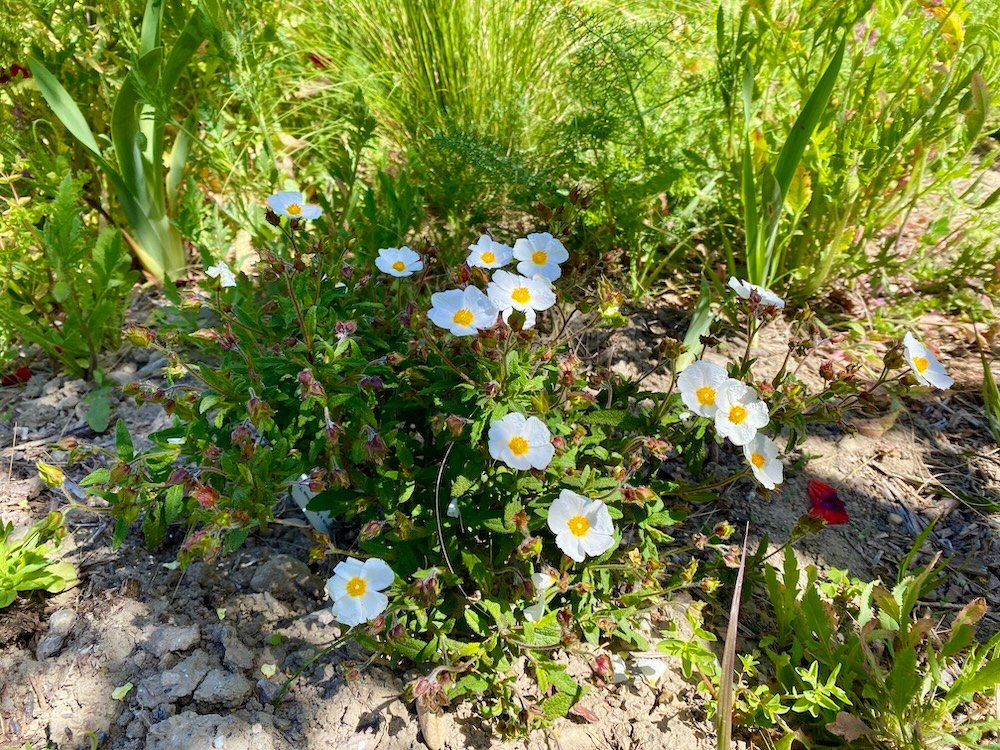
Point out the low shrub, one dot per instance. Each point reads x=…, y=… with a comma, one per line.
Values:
x=495, y=498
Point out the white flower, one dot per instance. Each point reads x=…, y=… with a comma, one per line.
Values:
x=521, y=442
x=540, y=254
x=398, y=262
x=510, y=292
x=739, y=412
x=464, y=312
x=762, y=454
x=651, y=669
x=619, y=669
x=926, y=369
x=301, y=494
x=582, y=526
x=223, y=273
x=488, y=253
x=699, y=384
x=453, y=510
x=541, y=582
x=743, y=289
x=292, y=205
x=356, y=590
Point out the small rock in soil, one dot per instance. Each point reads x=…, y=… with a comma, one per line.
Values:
x=176, y=683
x=60, y=625
x=190, y=730
x=169, y=638
x=237, y=655
x=278, y=576
x=267, y=691
x=223, y=688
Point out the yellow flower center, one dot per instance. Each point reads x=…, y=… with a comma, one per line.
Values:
x=399, y=266
x=539, y=257
x=578, y=525
x=521, y=295
x=294, y=209
x=518, y=445
x=757, y=460
x=921, y=364
x=737, y=414
x=357, y=586
x=706, y=395
x=463, y=317
x=488, y=257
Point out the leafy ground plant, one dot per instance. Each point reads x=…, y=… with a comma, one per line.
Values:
x=495, y=499
x=26, y=561
x=65, y=285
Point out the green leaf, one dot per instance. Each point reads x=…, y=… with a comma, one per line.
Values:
x=98, y=409
x=62, y=105
x=123, y=441
x=903, y=680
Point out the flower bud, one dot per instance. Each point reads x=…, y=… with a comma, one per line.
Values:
x=258, y=411
x=455, y=425
x=140, y=336
x=272, y=218
x=530, y=548
x=206, y=496
x=370, y=530
x=603, y=668
x=826, y=371
x=723, y=529
x=371, y=383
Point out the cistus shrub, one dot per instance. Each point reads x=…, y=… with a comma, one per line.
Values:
x=497, y=498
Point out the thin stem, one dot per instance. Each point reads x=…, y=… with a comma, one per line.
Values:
x=322, y=652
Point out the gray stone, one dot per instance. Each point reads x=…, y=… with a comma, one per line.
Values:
x=60, y=624
x=279, y=576
x=174, y=684
x=267, y=691
x=190, y=730
x=169, y=638
x=237, y=655
x=223, y=688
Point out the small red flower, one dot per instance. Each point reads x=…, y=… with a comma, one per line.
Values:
x=20, y=375
x=826, y=503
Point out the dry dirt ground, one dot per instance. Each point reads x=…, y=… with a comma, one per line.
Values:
x=197, y=645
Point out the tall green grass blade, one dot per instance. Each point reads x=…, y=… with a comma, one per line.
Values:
x=795, y=146
x=700, y=322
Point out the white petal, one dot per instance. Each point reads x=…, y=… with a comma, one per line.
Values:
x=349, y=568
x=349, y=610
x=377, y=573
x=596, y=544
x=571, y=545
x=373, y=603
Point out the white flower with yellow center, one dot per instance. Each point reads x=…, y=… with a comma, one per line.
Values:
x=739, y=412
x=398, y=261
x=582, y=526
x=509, y=292
x=762, y=455
x=521, y=442
x=540, y=254
x=464, y=312
x=292, y=205
x=699, y=384
x=926, y=369
x=356, y=590
x=223, y=273
x=743, y=289
x=488, y=253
